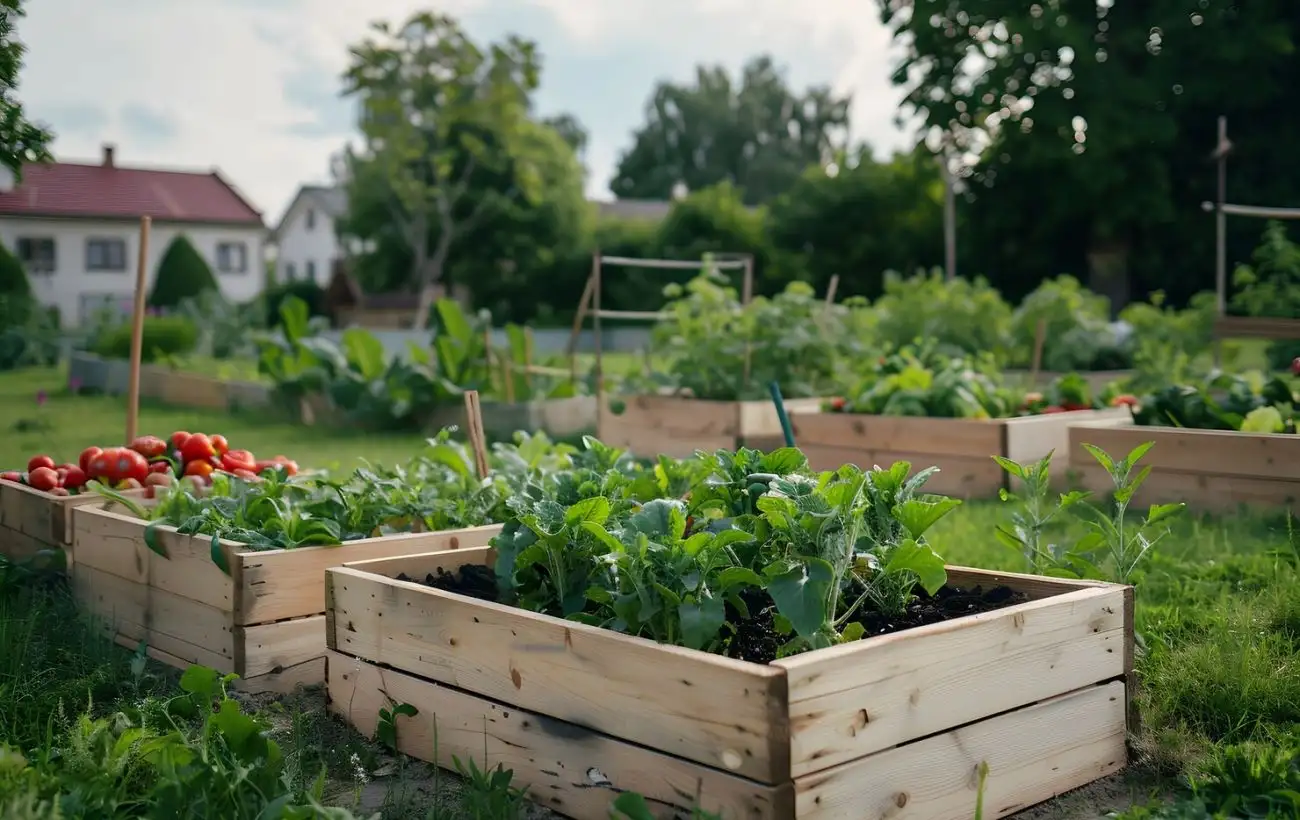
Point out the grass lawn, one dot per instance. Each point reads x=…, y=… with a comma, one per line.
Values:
x=1218, y=620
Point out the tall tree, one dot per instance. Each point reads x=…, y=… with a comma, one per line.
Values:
x=21, y=141
x=756, y=134
x=436, y=108
x=1090, y=116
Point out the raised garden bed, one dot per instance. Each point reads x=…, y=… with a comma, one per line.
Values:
x=32, y=521
x=1097, y=379
x=162, y=384
x=1209, y=469
x=559, y=418
x=263, y=620
x=677, y=426
x=897, y=725
x=962, y=449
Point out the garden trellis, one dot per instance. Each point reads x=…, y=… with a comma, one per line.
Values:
x=590, y=303
x=1225, y=326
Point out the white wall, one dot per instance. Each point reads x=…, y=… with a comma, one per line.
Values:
x=298, y=245
x=70, y=282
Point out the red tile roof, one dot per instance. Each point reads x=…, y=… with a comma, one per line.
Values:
x=107, y=191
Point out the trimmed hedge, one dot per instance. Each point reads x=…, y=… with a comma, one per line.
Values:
x=182, y=274
x=163, y=336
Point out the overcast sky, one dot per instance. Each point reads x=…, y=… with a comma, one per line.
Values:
x=251, y=86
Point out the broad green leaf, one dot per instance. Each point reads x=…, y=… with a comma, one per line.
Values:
x=152, y=541
x=1163, y=512
x=917, y=515
x=1103, y=458
x=660, y=517
x=294, y=318
x=1136, y=454
x=602, y=535
x=921, y=560
x=1012, y=467
x=853, y=631
x=733, y=577
x=784, y=461
x=364, y=352
x=801, y=594
x=701, y=620
x=218, y=554
x=593, y=510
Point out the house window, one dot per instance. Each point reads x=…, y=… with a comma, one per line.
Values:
x=37, y=254
x=107, y=255
x=311, y=271
x=232, y=257
x=311, y=219
x=290, y=272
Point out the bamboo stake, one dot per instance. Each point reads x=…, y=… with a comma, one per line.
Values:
x=474, y=429
x=137, y=334
x=831, y=289
x=508, y=375
x=528, y=358
x=1036, y=364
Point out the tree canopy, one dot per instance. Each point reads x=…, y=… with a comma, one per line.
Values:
x=756, y=134
x=21, y=141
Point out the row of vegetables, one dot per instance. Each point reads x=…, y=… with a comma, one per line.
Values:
x=148, y=463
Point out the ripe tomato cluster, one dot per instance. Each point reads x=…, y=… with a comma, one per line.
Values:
x=149, y=462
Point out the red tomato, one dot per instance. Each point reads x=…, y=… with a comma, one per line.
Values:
x=131, y=465
x=159, y=480
x=40, y=461
x=1124, y=400
x=238, y=460
x=1071, y=406
x=1052, y=408
x=178, y=439
x=150, y=491
x=43, y=479
x=220, y=444
x=75, y=478
x=197, y=447
x=290, y=466
x=201, y=469
x=86, y=455
x=60, y=491
x=247, y=475
x=12, y=475
x=163, y=467
x=1295, y=366
x=149, y=446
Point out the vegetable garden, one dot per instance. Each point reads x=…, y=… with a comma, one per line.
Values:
x=745, y=596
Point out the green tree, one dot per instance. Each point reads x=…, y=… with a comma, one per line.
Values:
x=1112, y=102
x=861, y=220
x=21, y=141
x=16, y=301
x=436, y=109
x=182, y=274
x=756, y=134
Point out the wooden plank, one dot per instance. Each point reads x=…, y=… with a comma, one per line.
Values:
x=34, y=513
x=18, y=546
x=1199, y=452
x=418, y=565
x=1033, y=586
x=720, y=712
x=758, y=419
x=307, y=674
x=669, y=425
x=1032, y=754
x=565, y=767
x=1209, y=493
x=113, y=543
x=1031, y=438
x=855, y=699
x=973, y=438
x=276, y=584
x=267, y=648
x=189, y=630
x=189, y=390
x=958, y=476
x=1256, y=327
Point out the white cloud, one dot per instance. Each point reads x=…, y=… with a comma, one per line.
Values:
x=218, y=69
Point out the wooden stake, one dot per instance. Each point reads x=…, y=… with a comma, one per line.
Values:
x=137, y=334
x=831, y=289
x=474, y=429
x=508, y=373
x=528, y=358
x=1036, y=364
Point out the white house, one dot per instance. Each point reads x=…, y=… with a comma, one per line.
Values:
x=76, y=228
x=307, y=244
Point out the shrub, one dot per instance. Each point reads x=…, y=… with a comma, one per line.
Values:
x=182, y=274
x=1077, y=323
x=960, y=316
x=1271, y=286
x=305, y=289
x=163, y=336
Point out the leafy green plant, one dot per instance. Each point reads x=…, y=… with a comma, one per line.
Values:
x=1115, y=544
x=1167, y=341
x=632, y=806
x=923, y=381
x=1249, y=403
x=1077, y=329
x=1251, y=780
x=963, y=316
x=162, y=336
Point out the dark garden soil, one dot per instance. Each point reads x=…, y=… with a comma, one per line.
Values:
x=756, y=638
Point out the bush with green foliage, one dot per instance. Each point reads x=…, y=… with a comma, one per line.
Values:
x=1271, y=287
x=182, y=274
x=1077, y=331
x=163, y=336
x=225, y=328
x=273, y=298
x=961, y=316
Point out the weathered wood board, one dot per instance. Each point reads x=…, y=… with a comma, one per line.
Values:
x=846, y=731
x=649, y=426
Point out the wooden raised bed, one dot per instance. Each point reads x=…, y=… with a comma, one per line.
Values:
x=891, y=726
x=677, y=426
x=962, y=449
x=31, y=520
x=264, y=621
x=1209, y=469
x=1097, y=379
